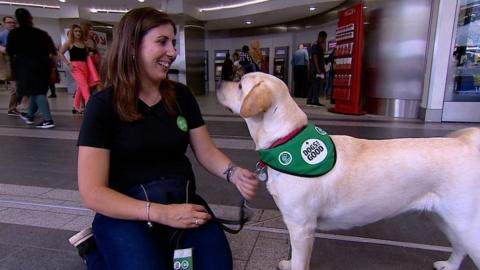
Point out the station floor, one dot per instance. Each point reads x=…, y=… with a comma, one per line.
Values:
x=40, y=206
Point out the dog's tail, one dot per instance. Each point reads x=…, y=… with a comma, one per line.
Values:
x=468, y=135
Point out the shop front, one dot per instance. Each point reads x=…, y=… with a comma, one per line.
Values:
x=462, y=93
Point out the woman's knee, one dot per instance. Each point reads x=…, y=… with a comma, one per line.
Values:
x=126, y=244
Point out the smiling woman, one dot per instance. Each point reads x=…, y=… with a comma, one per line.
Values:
x=132, y=165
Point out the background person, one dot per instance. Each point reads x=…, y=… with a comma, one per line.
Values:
x=94, y=59
x=30, y=49
x=246, y=60
x=77, y=64
x=300, y=71
x=227, y=68
x=132, y=167
x=317, y=69
x=54, y=76
x=9, y=23
x=237, y=68
x=256, y=54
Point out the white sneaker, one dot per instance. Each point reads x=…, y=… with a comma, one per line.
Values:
x=80, y=237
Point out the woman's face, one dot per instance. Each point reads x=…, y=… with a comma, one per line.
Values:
x=77, y=33
x=157, y=53
x=90, y=31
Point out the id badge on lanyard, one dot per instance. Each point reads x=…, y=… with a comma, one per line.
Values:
x=183, y=259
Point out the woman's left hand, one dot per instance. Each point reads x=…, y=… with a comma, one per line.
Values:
x=245, y=181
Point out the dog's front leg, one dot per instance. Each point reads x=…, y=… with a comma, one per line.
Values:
x=302, y=237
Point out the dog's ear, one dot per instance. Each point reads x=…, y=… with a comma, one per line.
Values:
x=258, y=100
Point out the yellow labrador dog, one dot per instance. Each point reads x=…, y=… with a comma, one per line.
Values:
x=371, y=180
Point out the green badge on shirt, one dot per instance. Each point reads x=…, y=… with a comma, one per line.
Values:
x=182, y=123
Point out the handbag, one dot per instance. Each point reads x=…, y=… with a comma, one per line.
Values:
x=5, y=68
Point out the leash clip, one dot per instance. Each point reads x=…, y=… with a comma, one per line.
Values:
x=261, y=171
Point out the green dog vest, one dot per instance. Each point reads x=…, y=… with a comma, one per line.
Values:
x=310, y=153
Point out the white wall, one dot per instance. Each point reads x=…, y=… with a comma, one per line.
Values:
x=51, y=26
x=434, y=90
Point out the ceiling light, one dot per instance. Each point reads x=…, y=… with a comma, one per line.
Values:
x=312, y=8
x=99, y=10
x=248, y=22
x=63, y=1
x=233, y=5
x=103, y=26
x=28, y=5
x=141, y=1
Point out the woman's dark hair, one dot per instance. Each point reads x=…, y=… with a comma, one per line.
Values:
x=245, y=48
x=24, y=18
x=121, y=70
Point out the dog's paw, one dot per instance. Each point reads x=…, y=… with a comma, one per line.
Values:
x=284, y=265
x=444, y=265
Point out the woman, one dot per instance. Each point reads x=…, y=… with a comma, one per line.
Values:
x=90, y=42
x=84, y=78
x=256, y=54
x=237, y=68
x=92, y=47
x=132, y=167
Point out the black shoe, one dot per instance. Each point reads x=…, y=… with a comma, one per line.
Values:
x=83, y=241
x=13, y=112
x=46, y=124
x=28, y=120
x=314, y=104
x=52, y=96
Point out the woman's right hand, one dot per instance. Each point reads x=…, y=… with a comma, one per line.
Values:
x=183, y=216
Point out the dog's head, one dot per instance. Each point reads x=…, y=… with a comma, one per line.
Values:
x=265, y=103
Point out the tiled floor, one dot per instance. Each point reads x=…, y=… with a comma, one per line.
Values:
x=40, y=207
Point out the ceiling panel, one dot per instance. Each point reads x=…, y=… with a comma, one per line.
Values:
x=266, y=13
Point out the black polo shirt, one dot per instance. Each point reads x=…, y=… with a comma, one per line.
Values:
x=142, y=150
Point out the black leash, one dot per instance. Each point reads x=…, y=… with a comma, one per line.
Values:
x=240, y=222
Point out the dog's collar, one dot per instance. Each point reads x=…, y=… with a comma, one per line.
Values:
x=286, y=138
x=261, y=167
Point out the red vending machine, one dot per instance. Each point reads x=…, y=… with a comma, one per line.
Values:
x=347, y=63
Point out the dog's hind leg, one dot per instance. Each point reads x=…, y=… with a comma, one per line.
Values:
x=302, y=237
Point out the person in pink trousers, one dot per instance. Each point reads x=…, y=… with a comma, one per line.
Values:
x=80, y=65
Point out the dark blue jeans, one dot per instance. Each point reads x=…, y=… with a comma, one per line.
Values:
x=39, y=102
x=315, y=88
x=126, y=244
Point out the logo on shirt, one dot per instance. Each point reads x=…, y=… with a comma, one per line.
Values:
x=182, y=123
